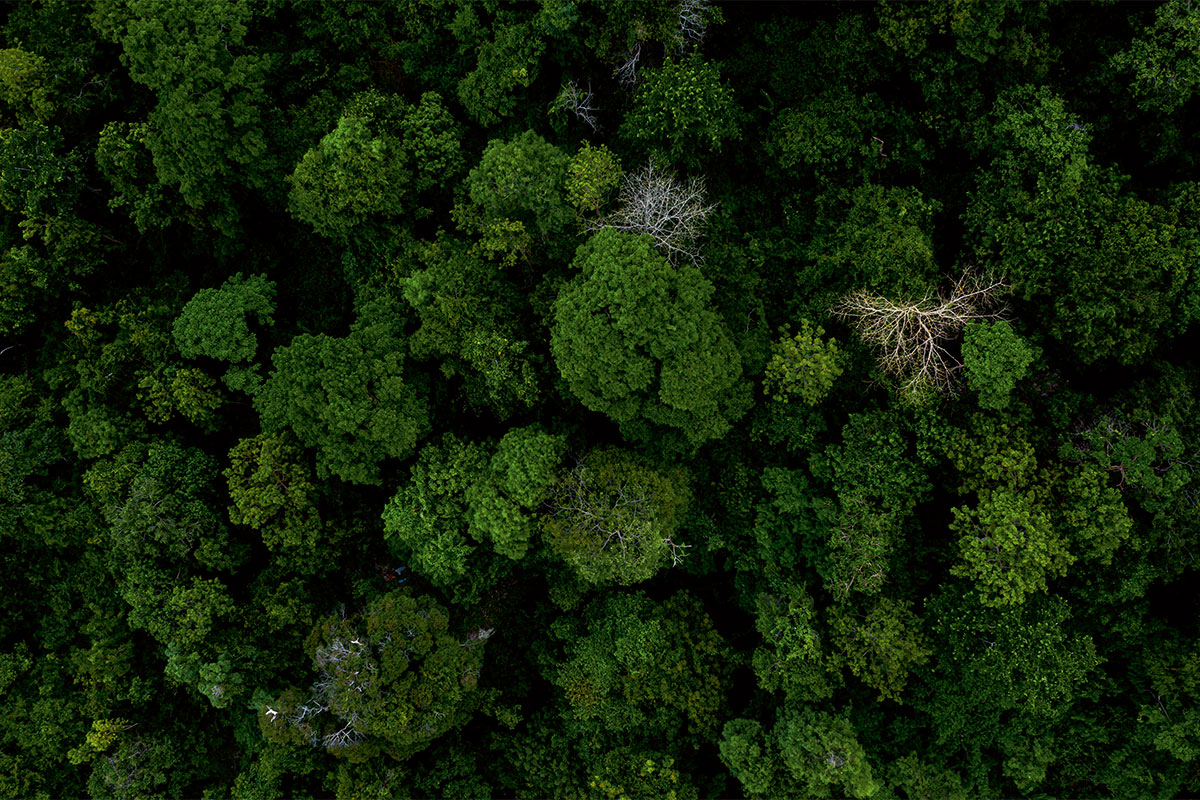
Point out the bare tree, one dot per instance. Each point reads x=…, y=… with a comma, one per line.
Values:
x=579, y=103
x=692, y=22
x=913, y=336
x=627, y=73
x=672, y=212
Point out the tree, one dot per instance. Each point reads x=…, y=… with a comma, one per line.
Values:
x=271, y=490
x=346, y=397
x=913, y=335
x=807, y=753
x=877, y=482
x=881, y=646
x=637, y=668
x=995, y=358
x=592, y=174
x=635, y=339
x=424, y=521
x=804, y=365
x=793, y=655
x=1009, y=546
x=579, y=102
x=214, y=323
x=468, y=311
x=389, y=681
x=681, y=110
x=1163, y=63
x=519, y=181
x=613, y=518
x=206, y=132
x=523, y=474
x=367, y=173
x=658, y=205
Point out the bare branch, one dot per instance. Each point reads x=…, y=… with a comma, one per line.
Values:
x=692, y=22
x=912, y=336
x=627, y=73
x=579, y=103
x=671, y=212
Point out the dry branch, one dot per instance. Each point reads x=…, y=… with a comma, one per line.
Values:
x=670, y=211
x=913, y=336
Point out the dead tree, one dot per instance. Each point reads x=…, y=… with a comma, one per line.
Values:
x=693, y=23
x=670, y=211
x=627, y=72
x=913, y=336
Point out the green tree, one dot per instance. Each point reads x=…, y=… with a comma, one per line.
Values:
x=681, y=110
x=592, y=175
x=367, y=172
x=807, y=753
x=389, y=681
x=792, y=656
x=523, y=474
x=635, y=339
x=995, y=358
x=880, y=646
x=346, y=397
x=425, y=523
x=215, y=322
x=271, y=490
x=613, y=518
x=518, y=183
x=641, y=669
x=1009, y=546
x=206, y=131
x=804, y=365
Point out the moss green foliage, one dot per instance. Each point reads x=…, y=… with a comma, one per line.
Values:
x=593, y=173
x=474, y=399
x=613, y=518
x=804, y=365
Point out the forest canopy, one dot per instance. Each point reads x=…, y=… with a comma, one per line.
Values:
x=599, y=399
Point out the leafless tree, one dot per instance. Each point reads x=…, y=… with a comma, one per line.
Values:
x=657, y=203
x=692, y=22
x=627, y=73
x=913, y=336
x=578, y=102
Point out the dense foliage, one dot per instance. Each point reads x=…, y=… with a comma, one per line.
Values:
x=599, y=399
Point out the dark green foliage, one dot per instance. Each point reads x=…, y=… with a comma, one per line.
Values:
x=389, y=682
x=342, y=342
x=682, y=109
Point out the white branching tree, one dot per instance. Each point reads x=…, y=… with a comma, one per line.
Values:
x=693, y=22
x=670, y=211
x=627, y=72
x=913, y=336
x=579, y=102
